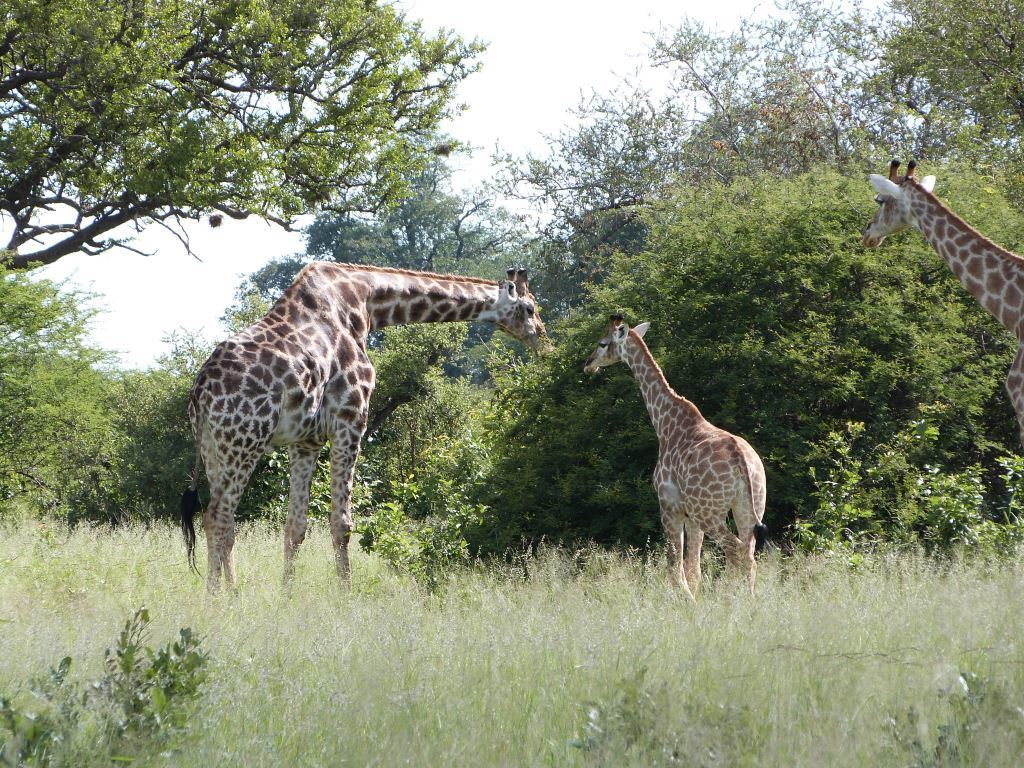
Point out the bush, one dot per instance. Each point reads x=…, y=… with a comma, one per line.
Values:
x=429, y=548
x=869, y=493
x=767, y=313
x=54, y=425
x=142, y=698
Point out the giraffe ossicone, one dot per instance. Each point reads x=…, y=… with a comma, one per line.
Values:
x=992, y=274
x=300, y=376
x=703, y=472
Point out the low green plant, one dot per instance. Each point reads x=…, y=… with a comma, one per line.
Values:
x=144, y=694
x=627, y=722
x=427, y=548
x=976, y=713
x=895, y=491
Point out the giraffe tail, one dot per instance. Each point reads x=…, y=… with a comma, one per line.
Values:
x=760, y=529
x=760, y=536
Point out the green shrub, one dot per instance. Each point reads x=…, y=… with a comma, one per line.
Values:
x=869, y=493
x=143, y=698
x=427, y=548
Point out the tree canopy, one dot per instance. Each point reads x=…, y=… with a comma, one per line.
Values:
x=768, y=313
x=157, y=111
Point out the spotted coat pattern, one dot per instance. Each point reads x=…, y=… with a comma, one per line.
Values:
x=993, y=275
x=300, y=377
x=702, y=473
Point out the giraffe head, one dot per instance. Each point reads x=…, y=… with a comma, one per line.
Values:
x=515, y=311
x=894, y=213
x=610, y=348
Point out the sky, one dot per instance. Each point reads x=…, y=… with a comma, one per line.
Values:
x=542, y=56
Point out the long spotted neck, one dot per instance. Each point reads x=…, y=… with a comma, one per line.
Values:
x=398, y=299
x=664, y=405
x=993, y=275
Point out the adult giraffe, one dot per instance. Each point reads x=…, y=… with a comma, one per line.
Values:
x=300, y=376
x=702, y=473
x=993, y=275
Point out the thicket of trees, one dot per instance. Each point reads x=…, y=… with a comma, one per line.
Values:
x=124, y=112
x=726, y=212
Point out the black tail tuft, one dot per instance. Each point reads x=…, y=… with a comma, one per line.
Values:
x=189, y=505
x=760, y=536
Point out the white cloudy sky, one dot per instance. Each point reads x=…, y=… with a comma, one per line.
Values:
x=542, y=55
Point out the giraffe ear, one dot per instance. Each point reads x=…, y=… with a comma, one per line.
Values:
x=883, y=186
x=928, y=183
x=641, y=329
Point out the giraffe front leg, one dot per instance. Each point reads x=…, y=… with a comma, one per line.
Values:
x=344, y=452
x=301, y=466
x=1015, y=389
x=674, y=551
x=694, y=539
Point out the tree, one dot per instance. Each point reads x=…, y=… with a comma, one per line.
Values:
x=432, y=229
x=156, y=111
x=768, y=313
x=53, y=423
x=957, y=71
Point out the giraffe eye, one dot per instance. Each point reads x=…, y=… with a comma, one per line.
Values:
x=529, y=310
x=880, y=200
x=602, y=344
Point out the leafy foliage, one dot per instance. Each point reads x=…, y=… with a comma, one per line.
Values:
x=120, y=112
x=143, y=698
x=428, y=548
x=53, y=422
x=890, y=492
x=768, y=314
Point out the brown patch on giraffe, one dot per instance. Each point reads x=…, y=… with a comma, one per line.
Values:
x=232, y=381
x=993, y=282
x=1012, y=295
x=975, y=268
x=418, y=309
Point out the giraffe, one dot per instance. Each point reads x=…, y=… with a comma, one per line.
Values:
x=993, y=275
x=300, y=377
x=702, y=473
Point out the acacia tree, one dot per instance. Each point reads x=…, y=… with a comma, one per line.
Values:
x=137, y=111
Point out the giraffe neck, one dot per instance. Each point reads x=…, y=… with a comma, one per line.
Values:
x=663, y=403
x=401, y=298
x=993, y=275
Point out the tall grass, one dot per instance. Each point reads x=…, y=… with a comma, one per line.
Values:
x=559, y=659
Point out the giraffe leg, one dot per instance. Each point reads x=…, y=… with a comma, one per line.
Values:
x=691, y=563
x=226, y=487
x=674, y=542
x=344, y=452
x=737, y=553
x=302, y=464
x=1015, y=389
x=228, y=472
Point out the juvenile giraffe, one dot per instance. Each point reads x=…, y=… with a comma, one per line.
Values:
x=993, y=275
x=300, y=376
x=703, y=472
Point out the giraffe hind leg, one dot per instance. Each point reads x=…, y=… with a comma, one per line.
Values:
x=226, y=487
x=1015, y=389
x=302, y=465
